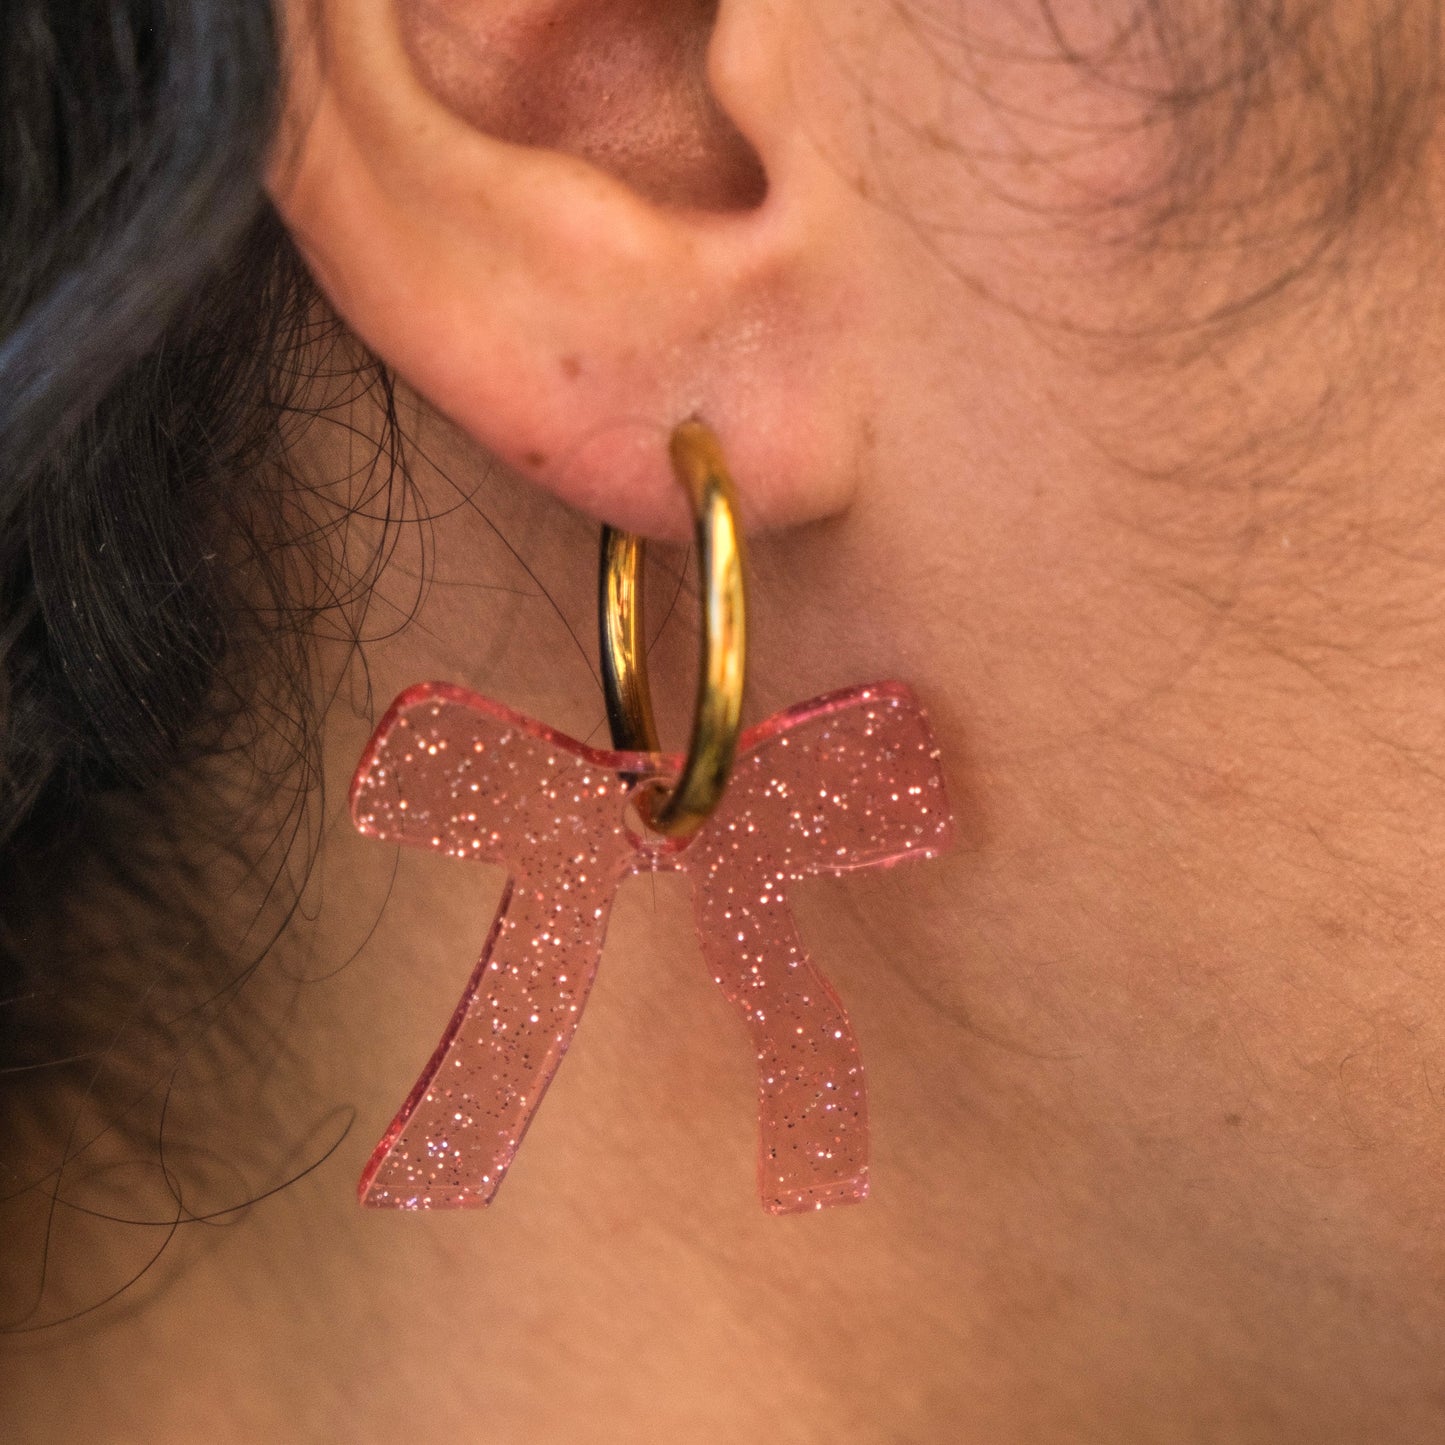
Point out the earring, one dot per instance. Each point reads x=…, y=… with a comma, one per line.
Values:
x=850, y=780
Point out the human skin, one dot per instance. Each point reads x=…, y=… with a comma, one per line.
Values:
x=1153, y=1053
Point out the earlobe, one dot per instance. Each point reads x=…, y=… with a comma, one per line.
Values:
x=537, y=264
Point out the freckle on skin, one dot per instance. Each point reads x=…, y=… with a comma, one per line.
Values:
x=571, y=367
x=535, y=459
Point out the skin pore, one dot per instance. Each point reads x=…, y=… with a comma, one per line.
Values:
x=1153, y=1055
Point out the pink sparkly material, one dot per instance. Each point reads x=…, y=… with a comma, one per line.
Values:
x=847, y=781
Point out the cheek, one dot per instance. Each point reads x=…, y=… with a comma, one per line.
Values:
x=981, y=122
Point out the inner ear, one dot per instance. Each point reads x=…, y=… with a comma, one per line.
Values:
x=621, y=84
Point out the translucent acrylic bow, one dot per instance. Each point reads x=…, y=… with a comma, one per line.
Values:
x=847, y=781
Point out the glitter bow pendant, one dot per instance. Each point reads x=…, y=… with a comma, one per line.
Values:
x=850, y=780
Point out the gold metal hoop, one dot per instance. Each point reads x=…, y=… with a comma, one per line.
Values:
x=697, y=461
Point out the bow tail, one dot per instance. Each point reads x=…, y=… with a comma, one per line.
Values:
x=452, y=1141
x=812, y=1102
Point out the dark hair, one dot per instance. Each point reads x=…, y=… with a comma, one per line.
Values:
x=148, y=302
x=161, y=574
x=137, y=250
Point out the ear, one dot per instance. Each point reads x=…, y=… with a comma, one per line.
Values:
x=571, y=224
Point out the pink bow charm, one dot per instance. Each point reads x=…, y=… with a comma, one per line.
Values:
x=847, y=781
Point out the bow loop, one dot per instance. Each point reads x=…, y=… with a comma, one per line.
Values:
x=450, y=770
x=849, y=780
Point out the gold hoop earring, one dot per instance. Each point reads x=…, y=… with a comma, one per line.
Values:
x=679, y=811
